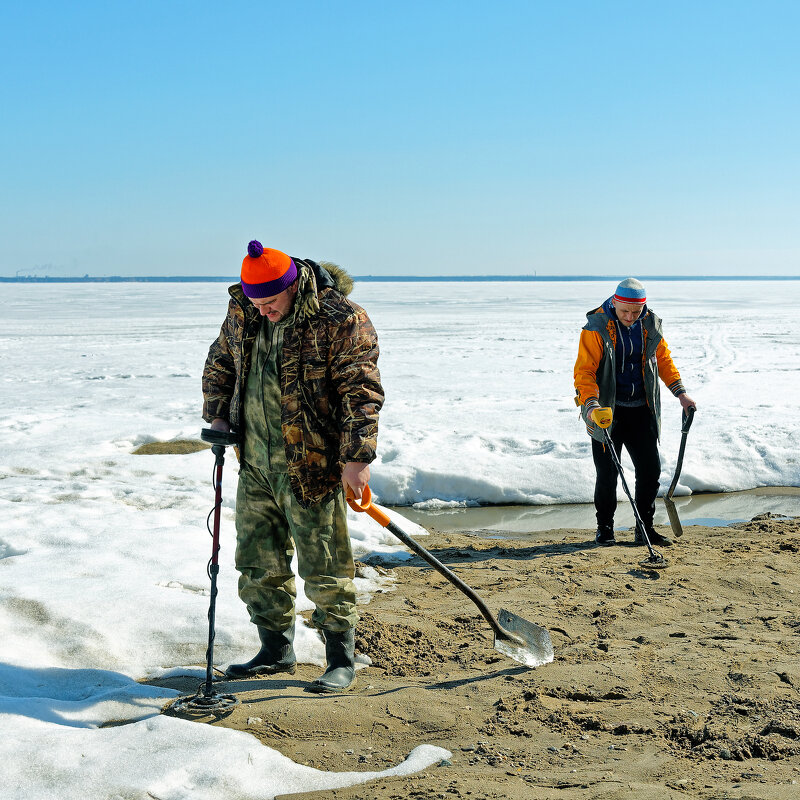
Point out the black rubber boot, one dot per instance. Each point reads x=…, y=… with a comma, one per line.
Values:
x=276, y=655
x=656, y=539
x=340, y=655
x=605, y=535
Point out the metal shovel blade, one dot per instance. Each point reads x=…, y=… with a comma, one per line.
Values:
x=672, y=513
x=529, y=644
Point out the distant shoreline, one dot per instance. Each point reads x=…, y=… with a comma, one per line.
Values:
x=403, y=278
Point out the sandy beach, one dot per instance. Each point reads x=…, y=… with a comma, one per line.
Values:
x=671, y=683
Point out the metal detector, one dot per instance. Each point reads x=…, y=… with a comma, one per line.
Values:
x=654, y=560
x=205, y=698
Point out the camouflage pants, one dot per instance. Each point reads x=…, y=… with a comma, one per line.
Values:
x=270, y=524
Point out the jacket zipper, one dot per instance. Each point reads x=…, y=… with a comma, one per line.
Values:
x=240, y=373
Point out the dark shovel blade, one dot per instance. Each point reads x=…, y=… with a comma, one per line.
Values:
x=674, y=519
x=527, y=643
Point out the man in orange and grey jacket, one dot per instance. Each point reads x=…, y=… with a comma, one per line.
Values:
x=621, y=355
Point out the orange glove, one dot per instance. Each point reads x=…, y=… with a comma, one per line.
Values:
x=602, y=417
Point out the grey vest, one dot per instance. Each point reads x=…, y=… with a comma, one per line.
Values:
x=606, y=369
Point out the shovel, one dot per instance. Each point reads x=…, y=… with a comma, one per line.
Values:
x=672, y=512
x=514, y=636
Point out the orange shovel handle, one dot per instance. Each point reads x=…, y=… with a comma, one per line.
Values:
x=366, y=505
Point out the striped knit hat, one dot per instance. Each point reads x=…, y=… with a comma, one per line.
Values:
x=266, y=272
x=630, y=291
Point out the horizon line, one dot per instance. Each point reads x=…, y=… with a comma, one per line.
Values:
x=390, y=278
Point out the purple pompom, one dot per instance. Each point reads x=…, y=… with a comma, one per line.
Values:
x=255, y=249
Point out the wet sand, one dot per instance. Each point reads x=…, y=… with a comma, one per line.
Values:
x=709, y=509
x=667, y=683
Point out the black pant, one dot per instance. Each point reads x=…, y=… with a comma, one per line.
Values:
x=635, y=429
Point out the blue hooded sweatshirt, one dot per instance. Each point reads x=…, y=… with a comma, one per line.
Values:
x=630, y=346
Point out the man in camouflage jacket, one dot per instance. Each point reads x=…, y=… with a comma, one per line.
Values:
x=294, y=373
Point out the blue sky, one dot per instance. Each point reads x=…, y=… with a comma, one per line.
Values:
x=401, y=138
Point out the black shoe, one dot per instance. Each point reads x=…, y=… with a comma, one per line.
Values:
x=656, y=539
x=341, y=659
x=276, y=655
x=605, y=535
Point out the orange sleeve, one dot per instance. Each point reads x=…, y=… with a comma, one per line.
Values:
x=667, y=370
x=590, y=351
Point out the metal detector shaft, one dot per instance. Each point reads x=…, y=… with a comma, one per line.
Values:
x=639, y=524
x=219, y=440
x=213, y=565
x=672, y=511
x=206, y=699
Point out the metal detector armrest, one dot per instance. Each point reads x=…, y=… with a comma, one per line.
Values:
x=224, y=438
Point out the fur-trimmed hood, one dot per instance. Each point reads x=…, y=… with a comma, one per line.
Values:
x=341, y=279
x=314, y=278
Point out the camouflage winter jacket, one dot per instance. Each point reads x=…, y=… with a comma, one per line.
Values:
x=330, y=385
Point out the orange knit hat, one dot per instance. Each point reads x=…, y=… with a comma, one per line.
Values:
x=266, y=272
